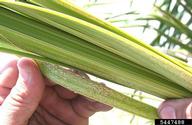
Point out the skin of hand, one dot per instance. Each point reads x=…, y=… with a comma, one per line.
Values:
x=27, y=98
x=176, y=109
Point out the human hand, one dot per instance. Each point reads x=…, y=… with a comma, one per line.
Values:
x=176, y=109
x=26, y=98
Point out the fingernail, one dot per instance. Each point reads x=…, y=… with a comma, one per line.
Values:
x=168, y=112
x=5, y=72
x=25, y=73
x=5, y=66
x=91, y=100
x=101, y=106
x=6, y=61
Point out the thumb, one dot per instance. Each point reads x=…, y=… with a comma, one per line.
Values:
x=176, y=109
x=25, y=96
